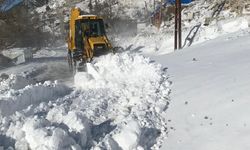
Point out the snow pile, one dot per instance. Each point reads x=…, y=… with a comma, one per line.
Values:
x=123, y=74
x=122, y=96
x=15, y=82
x=41, y=133
x=132, y=132
x=233, y=25
x=75, y=120
x=15, y=100
x=130, y=89
x=114, y=71
x=38, y=138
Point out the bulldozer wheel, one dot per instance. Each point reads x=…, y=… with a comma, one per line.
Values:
x=70, y=61
x=74, y=67
x=88, y=60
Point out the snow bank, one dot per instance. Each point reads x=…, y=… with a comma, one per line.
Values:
x=40, y=134
x=233, y=25
x=115, y=105
x=132, y=90
x=129, y=131
x=76, y=122
x=130, y=75
x=15, y=100
x=15, y=82
x=122, y=71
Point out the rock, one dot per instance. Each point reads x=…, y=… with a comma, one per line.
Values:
x=18, y=55
x=3, y=77
x=4, y=61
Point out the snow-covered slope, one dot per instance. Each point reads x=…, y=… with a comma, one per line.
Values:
x=210, y=95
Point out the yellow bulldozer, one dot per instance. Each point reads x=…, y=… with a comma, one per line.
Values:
x=86, y=38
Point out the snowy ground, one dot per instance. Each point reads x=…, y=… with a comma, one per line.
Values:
x=210, y=95
x=114, y=101
x=123, y=101
x=209, y=98
x=126, y=96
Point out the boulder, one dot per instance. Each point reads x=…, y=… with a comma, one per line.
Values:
x=4, y=61
x=18, y=55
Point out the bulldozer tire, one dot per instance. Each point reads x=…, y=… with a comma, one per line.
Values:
x=70, y=61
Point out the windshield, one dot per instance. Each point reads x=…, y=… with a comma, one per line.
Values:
x=93, y=28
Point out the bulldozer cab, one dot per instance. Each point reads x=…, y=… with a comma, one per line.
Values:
x=90, y=27
x=86, y=37
x=86, y=28
x=93, y=28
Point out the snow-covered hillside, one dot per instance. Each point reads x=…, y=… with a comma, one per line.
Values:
x=195, y=27
x=210, y=95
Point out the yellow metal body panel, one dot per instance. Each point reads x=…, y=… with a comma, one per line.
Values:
x=75, y=13
x=88, y=42
x=96, y=40
x=88, y=17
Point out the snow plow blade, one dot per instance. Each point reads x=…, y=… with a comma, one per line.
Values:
x=91, y=69
x=87, y=68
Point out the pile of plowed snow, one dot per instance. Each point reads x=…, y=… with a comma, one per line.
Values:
x=116, y=105
x=12, y=81
x=133, y=92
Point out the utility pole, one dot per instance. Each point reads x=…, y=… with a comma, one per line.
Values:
x=154, y=5
x=177, y=32
x=161, y=15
